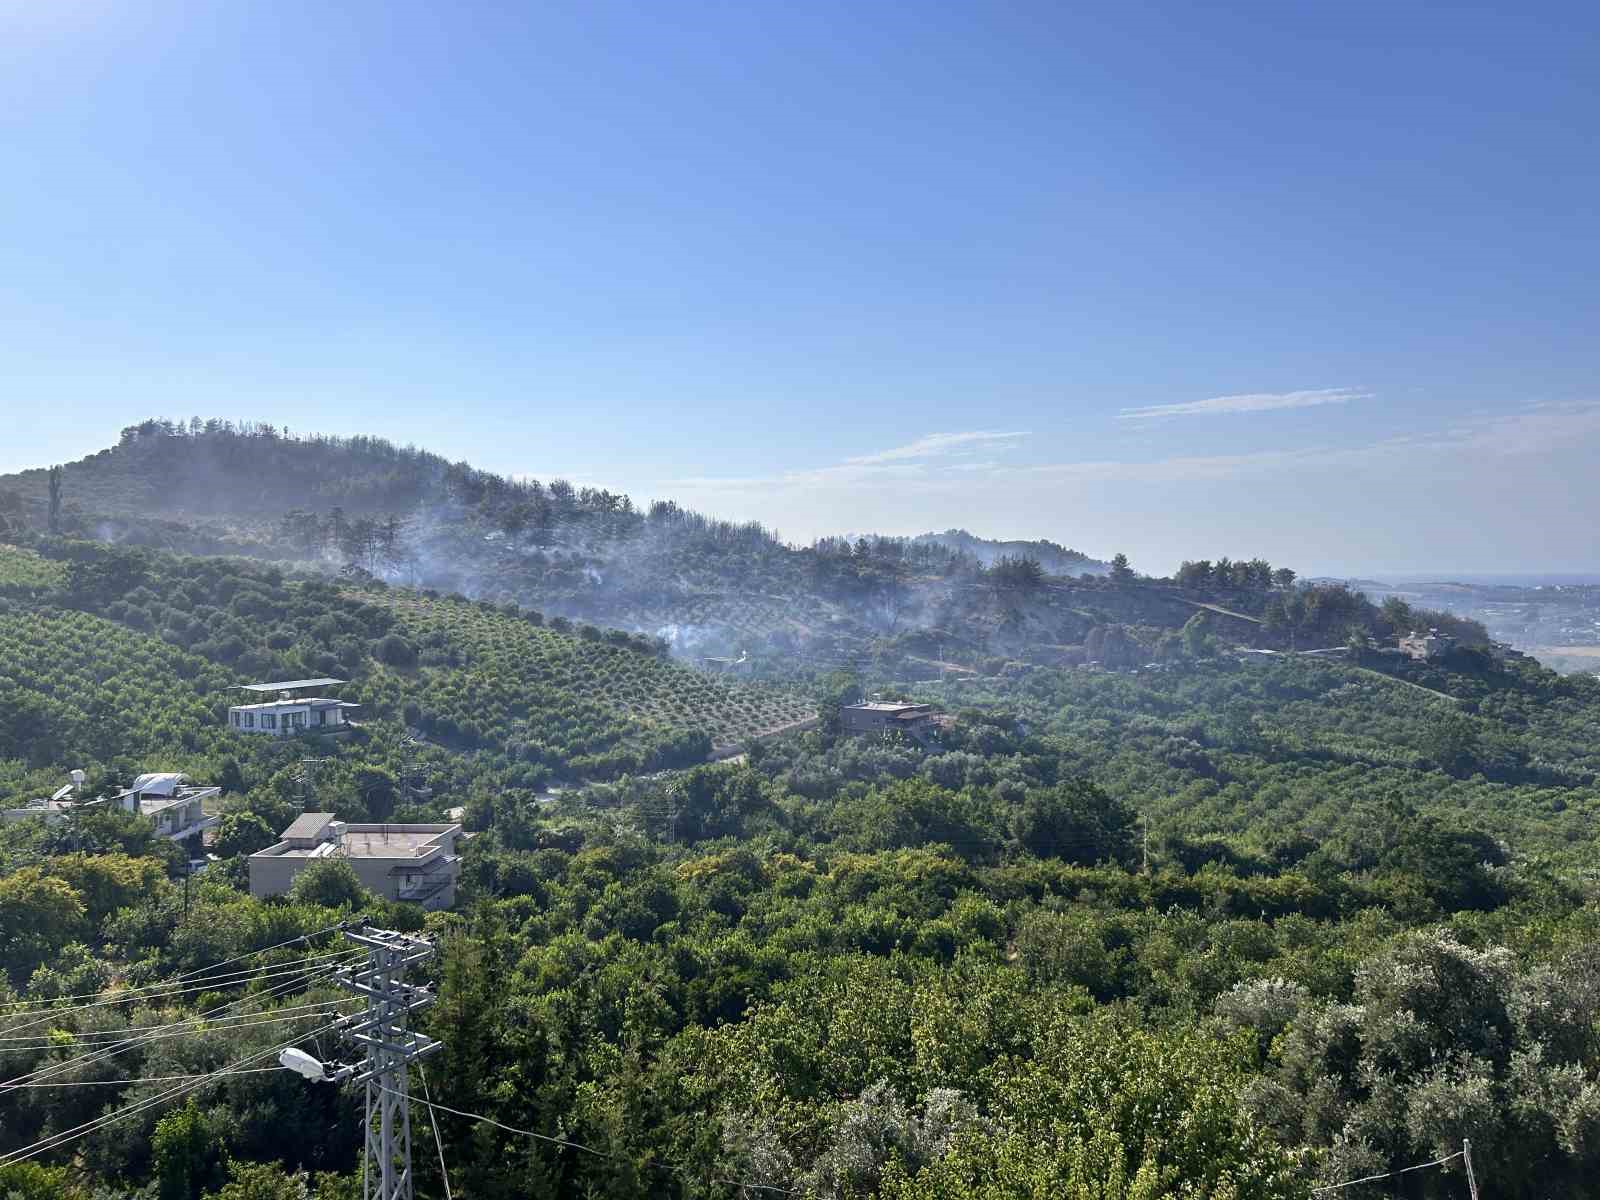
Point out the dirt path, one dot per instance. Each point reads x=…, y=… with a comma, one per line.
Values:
x=1227, y=612
x=731, y=749
x=1406, y=683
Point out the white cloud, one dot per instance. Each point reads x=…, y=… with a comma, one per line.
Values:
x=1248, y=402
x=935, y=445
x=1534, y=429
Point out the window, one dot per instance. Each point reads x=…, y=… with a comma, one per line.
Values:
x=269, y=721
x=249, y=720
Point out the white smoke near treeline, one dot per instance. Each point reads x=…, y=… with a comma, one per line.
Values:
x=704, y=586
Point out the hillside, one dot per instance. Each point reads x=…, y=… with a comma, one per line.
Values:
x=541, y=700
x=708, y=587
x=1193, y=903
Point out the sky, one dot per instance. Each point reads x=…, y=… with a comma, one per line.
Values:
x=1314, y=282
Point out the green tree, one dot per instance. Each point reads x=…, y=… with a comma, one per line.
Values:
x=1075, y=821
x=1196, y=640
x=377, y=787
x=1121, y=572
x=243, y=833
x=1017, y=574
x=332, y=883
x=55, y=499
x=188, y=1148
x=39, y=914
x=1452, y=744
x=263, y=1181
x=33, y=1181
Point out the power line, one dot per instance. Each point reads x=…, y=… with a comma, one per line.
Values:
x=191, y=975
x=129, y=997
x=88, y=1127
x=1438, y=1162
x=139, y=1039
x=106, y=1036
x=167, y=1034
x=298, y=979
x=146, y=1079
x=438, y=1141
x=544, y=1137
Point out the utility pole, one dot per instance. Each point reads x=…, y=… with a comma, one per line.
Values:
x=391, y=1047
x=1466, y=1154
x=1144, y=821
x=307, y=779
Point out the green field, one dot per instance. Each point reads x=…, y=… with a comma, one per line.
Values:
x=499, y=679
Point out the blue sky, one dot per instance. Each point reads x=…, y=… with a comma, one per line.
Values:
x=1317, y=282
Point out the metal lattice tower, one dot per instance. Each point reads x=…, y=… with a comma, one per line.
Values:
x=386, y=1166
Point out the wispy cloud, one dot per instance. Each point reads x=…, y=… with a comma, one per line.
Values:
x=935, y=445
x=1531, y=429
x=1246, y=402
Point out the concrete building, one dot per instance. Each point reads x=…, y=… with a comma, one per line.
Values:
x=290, y=713
x=1425, y=647
x=417, y=863
x=171, y=803
x=53, y=809
x=165, y=798
x=881, y=716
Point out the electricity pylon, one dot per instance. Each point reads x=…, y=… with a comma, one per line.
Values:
x=386, y=1166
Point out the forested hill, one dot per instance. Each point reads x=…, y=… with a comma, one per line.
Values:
x=1052, y=557
x=706, y=587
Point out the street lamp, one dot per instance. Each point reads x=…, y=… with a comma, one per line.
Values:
x=311, y=1068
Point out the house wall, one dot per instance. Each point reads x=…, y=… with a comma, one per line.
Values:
x=271, y=875
x=283, y=719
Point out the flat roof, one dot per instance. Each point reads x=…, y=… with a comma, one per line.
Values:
x=393, y=842
x=889, y=706
x=311, y=701
x=288, y=685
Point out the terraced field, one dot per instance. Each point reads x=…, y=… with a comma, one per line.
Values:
x=499, y=680
x=76, y=686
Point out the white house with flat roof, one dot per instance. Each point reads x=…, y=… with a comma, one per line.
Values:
x=171, y=803
x=289, y=713
x=417, y=863
x=165, y=798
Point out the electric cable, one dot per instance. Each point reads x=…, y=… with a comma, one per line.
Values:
x=88, y=1127
x=438, y=1141
x=198, y=971
x=1438, y=1162
x=138, y=1039
x=47, y=1015
x=544, y=1137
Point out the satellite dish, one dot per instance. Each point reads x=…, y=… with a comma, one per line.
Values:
x=302, y=1063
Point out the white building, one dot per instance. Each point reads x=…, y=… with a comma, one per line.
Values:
x=417, y=863
x=165, y=798
x=54, y=810
x=290, y=714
